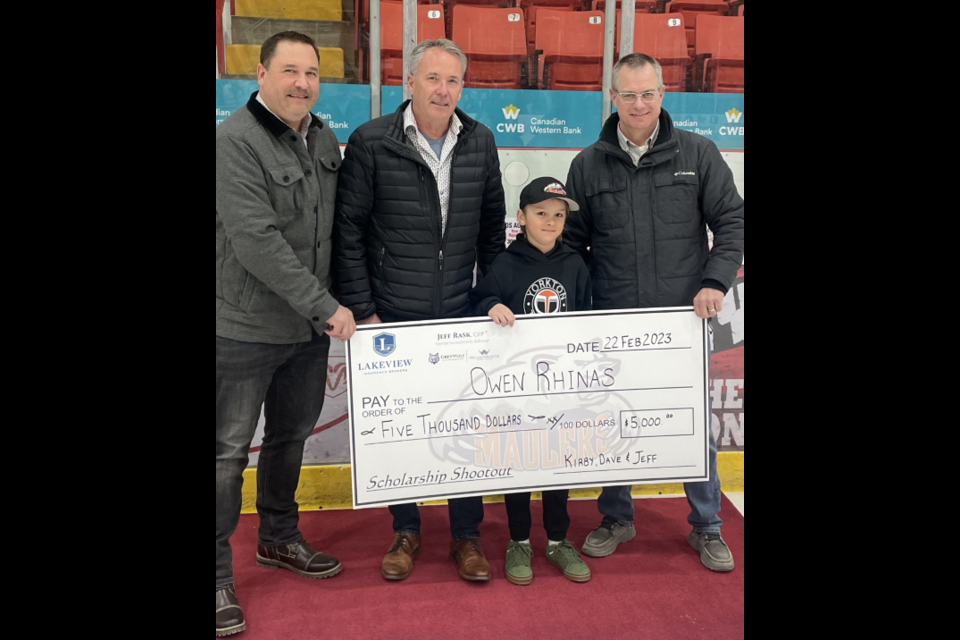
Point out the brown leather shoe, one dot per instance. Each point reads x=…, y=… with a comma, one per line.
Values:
x=398, y=563
x=300, y=559
x=468, y=554
x=229, y=614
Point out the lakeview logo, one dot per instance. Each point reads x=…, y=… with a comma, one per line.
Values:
x=511, y=112
x=733, y=115
x=384, y=344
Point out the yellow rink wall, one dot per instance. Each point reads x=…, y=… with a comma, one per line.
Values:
x=328, y=486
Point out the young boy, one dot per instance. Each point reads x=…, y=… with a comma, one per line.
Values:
x=538, y=275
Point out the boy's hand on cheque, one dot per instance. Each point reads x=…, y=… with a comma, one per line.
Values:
x=502, y=315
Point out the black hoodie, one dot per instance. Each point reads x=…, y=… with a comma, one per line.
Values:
x=531, y=282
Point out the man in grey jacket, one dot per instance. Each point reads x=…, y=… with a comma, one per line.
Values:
x=647, y=193
x=277, y=170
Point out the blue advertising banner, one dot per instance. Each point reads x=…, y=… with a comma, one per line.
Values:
x=571, y=119
x=717, y=116
x=344, y=107
x=518, y=118
x=531, y=119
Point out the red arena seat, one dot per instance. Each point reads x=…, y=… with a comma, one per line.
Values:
x=718, y=64
x=641, y=6
x=361, y=32
x=430, y=26
x=690, y=9
x=452, y=4
x=530, y=8
x=495, y=42
x=570, y=48
x=532, y=14
x=663, y=36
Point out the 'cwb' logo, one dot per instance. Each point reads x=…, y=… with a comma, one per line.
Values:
x=384, y=344
x=545, y=296
x=510, y=113
x=733, y=115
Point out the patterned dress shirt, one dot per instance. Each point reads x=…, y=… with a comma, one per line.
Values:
x=439, y=166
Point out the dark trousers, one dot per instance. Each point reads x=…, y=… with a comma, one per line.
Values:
x=289, y=382
x=556, y=520
x=466, y=514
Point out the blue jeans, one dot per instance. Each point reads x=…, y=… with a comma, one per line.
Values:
x=466, y=514
x=616, y=503
x=289, y=381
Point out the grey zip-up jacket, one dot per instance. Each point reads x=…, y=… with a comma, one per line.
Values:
x=646, y=226
x=275, y=202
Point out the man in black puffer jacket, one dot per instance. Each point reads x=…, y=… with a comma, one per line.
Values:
x=419, y=204
x=647, y=193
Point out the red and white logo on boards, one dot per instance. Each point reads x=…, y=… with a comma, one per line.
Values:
x=545, y=296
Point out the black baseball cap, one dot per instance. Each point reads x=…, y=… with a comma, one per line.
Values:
x=544, y=189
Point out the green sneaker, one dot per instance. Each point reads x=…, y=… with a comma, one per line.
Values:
x=565, y=557
x=518, y=563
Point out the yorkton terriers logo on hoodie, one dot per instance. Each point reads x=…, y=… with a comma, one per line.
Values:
x=544, y=296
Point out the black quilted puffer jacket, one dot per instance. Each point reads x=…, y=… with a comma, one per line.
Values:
x=392, y=259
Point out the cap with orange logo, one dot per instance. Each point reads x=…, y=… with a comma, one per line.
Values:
x=544, y=189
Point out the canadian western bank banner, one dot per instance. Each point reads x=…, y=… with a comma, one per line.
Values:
x=572, y=119
x=518, y=119
x=532, y=120
x=343, y=107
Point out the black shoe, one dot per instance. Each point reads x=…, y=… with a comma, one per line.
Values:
x=229, y=614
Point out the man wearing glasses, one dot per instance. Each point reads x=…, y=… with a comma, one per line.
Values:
x=647, y=193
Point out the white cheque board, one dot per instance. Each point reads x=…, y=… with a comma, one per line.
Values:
x=448, y=409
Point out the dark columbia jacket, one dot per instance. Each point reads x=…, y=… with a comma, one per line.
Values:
x=646, y=226
x=391, y=257
x=531, y=282
x=275, y=205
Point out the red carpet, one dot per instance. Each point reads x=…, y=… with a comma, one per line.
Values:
x=653, y=587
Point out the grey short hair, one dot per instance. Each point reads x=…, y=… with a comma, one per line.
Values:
x=440, y=43
x=637, y=61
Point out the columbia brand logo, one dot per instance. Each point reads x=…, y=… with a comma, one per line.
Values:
x=685, y=173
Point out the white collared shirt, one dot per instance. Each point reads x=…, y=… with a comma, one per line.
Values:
x=439, y=166
x=304, y=124
x=637, y=152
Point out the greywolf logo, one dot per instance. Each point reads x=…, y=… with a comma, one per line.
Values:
x=384, y=344
x=434, y=358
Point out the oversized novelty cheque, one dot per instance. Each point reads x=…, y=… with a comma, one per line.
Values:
x=446, y=409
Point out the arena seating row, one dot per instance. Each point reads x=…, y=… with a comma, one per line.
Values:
x=567, y=53
x=537, y=44
x=686, y=7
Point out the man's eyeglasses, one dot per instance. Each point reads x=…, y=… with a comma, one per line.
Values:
x=646, y=96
